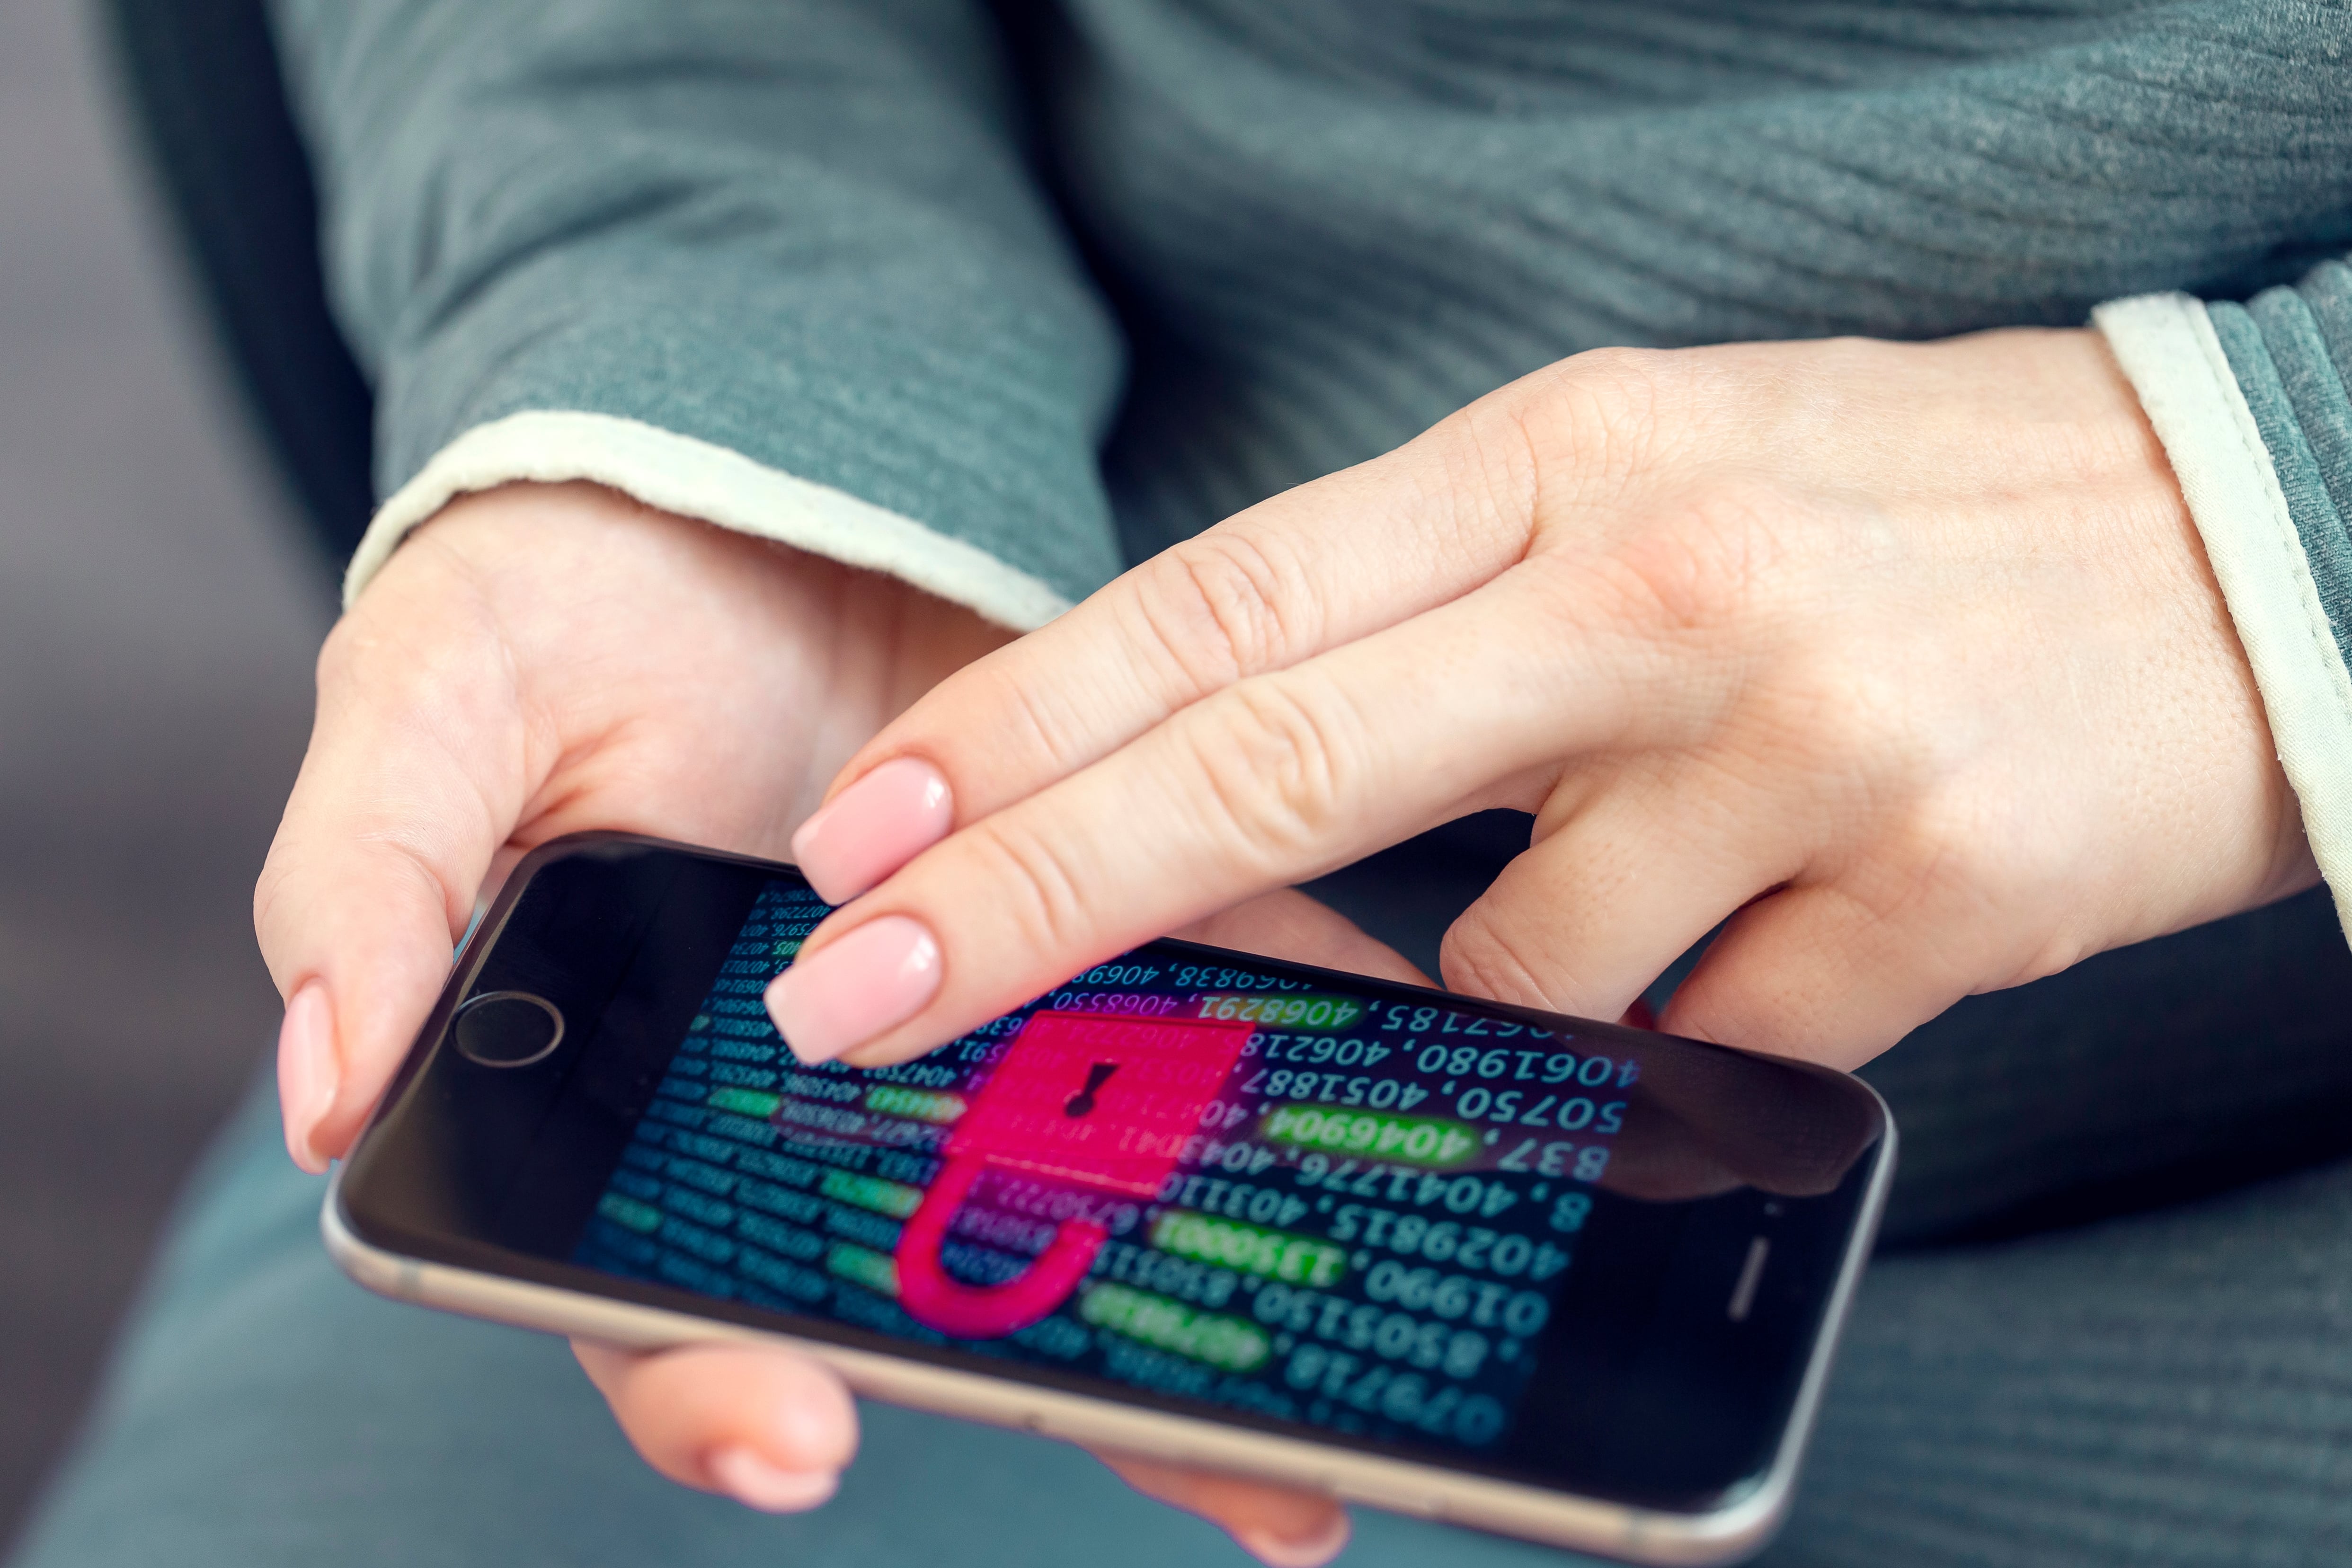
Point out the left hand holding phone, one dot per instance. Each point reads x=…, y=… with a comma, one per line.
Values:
x=542, y=660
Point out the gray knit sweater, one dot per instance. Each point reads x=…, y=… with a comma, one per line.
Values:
x=991, y=297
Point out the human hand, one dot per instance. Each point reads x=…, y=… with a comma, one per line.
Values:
x=545, y=660
x=539, y=661
x=1901, y=662
x=671, y=1402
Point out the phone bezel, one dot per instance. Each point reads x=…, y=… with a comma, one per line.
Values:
x=1556, y=1515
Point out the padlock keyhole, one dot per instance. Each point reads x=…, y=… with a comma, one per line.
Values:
x=1081, y=1103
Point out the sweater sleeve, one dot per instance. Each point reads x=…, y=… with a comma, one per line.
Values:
x=775, y=263
x=2249, y=400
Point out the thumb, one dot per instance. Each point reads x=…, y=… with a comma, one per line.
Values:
x=401, y=803
x=1282, y=1527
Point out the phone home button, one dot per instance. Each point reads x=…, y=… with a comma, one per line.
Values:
x=508, y=1029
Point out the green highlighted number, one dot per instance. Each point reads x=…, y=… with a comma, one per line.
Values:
x=920, y=1104
x=1274, y=1254
x=756, y=1103
x=629, y=1214
x=1234, y=1344
x=861, y=1266
x=1284, y=1011
x=894, y=1198
x=1415, y=1139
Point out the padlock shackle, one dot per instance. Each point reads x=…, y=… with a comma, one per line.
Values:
x=984, y=1312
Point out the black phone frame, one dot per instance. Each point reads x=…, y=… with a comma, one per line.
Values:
x=1621, y=1445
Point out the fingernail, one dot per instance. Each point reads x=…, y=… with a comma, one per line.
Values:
x=1310, y=1551
x=754, y=1482
x=307, y=1072
x=873, y=828
x=879, y=975
x=812, y=1426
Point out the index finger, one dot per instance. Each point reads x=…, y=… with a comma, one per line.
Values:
x=1261, y=786
x=1311, y=569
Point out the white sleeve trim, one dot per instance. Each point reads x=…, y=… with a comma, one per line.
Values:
x=2167, y=348
x=698, y=479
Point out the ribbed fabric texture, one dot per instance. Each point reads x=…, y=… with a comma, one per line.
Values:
x=1339, y=220
x=811, y=231
x=795, y=229
x=2158, y=1392
x=2291, y=349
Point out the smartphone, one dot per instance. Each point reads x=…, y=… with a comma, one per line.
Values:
x=1561, y=1280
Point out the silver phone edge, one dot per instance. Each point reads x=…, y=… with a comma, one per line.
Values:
x=1728, y=1535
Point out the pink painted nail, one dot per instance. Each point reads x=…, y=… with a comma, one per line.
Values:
x=307, y=1072
x=879, y=975
x=1311, y=1550
x=873, y=828
x=751, y=1480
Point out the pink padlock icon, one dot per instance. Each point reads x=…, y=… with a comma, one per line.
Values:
x=1102, y=1100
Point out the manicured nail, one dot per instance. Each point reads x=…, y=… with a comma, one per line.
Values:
x=754, y=1482
x=879, y=975
x=873, y=828
x=307, y=1072
x=1309, y=1551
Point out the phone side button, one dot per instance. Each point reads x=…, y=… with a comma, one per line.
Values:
x=1751, y=1275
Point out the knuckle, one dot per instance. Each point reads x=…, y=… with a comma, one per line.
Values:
x=1034, y=882
x=1478, y=955
x=1844, y=714
x=1707, y=563
x=1956, y=859
x=1228, y=604
x=2051, y=954
x=269, y=894
x=1624, y=384
x=1276, y=759
x=388, y=668
x=1979, y=848
x=345, y=654
x=1041, y=718
x=1923, y=865
x=1487, y=479
x=1599, y=415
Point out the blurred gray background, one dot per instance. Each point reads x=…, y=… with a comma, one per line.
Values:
x=158, y=614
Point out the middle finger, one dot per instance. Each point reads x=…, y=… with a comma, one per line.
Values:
x=1266, y=783
x=1309, y=570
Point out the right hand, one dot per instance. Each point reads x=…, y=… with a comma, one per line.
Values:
x=545, y=660
x=1898, y=667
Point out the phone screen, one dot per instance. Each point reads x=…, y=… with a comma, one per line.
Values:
x=1565, y=1253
